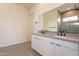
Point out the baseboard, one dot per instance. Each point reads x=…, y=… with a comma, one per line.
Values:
x=14, y=44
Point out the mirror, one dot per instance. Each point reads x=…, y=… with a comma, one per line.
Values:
x=69, y=18
x=64, y=18
x=49, y=20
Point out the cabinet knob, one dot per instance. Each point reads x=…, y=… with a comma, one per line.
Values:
x=58, y=45
x=52, y=43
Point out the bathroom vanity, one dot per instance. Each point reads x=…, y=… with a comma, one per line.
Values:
x=57, y=21
x=52, y=45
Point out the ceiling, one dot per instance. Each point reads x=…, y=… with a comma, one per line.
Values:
x=27, y=5
x=65, y=7
x=68, y=6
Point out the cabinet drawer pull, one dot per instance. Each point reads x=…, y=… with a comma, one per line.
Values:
x=35, y=38
x=52, y=43
x=58, y=45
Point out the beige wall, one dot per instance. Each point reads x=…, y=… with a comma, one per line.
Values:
x=15, y=24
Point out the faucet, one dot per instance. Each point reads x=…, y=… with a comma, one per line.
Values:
x=61, y=33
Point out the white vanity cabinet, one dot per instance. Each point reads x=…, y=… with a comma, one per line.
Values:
x=42, y=46
x=54, y=47
x=62, y=48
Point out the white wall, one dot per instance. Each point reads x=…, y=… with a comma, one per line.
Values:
x=15, y=24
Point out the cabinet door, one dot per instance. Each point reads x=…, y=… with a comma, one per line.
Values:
x=64, y=51
x=49, y=47
x=38, y=44
x=35, y=43
x=41, y=46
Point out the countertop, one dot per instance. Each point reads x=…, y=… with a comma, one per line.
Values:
x=69, y=37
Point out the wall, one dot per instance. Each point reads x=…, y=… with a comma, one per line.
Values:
x=42, y=8
x=15, y=24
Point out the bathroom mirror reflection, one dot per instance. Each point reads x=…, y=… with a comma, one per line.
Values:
x=64, y=18
x=69, y=18
x=49, y=21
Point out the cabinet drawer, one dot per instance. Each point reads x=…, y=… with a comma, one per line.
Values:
x=49, y=39
x=68, y=44
x=37, y=37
